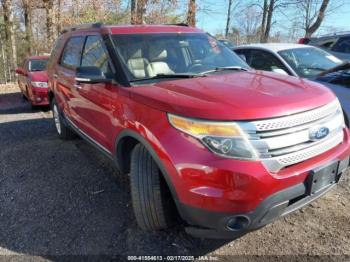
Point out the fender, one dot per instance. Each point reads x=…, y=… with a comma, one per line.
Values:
x=150, y=149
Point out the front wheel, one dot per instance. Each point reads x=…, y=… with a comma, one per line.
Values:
x=63, y=131
x=151, y=199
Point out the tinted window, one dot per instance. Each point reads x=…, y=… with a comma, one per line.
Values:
x=262, y=60
x=342, y=46
x=55, y=51
x=72, y=52
x=243, y=54
x=327, y=44
x=95, y=54
x=37, y=65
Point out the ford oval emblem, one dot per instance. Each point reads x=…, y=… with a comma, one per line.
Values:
x=317, y=133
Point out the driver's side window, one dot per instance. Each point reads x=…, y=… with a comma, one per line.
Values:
x=95, y=54
x=262, y=60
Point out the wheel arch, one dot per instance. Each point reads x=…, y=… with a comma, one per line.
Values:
x=124, y=145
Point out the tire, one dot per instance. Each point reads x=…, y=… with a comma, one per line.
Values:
x=63, y=131
x=151, y=199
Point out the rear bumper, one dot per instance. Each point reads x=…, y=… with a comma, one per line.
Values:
x=204, y=223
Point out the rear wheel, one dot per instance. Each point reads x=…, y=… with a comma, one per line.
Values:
x=151, y=199
x=63, y=131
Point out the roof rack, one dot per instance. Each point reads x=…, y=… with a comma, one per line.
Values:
x=179, y=24
x=82, y=26
x=336, y=33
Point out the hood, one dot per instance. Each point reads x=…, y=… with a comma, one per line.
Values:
x=39, y=76
x=234, y=96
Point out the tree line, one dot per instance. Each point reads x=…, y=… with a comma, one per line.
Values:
x=30, y=27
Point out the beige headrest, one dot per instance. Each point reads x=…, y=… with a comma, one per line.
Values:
x=135, y=53
x=156, y=53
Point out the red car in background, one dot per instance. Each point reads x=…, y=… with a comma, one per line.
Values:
x=32, y=80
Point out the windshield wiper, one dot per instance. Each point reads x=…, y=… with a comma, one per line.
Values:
x=164, y=76
x=340, y=67
x=315, y=68
x=220, y=69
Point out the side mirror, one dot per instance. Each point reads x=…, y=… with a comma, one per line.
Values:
x=279, y=71
x=90, y=75
x=19, y=71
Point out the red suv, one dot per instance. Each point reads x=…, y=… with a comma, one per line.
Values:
x=32, y=80
x=202, y=135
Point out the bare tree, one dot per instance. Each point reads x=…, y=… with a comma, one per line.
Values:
x=268, y=10
x=191, y=13
x=9, y=30
x=228, y=20
x=140, y=11
x=49, y=10
x=312, y=16
x=249, y=19
x=133, y=12
x=27, y=13
x=58, y=16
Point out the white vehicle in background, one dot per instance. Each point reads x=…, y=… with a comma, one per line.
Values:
x=301, y=61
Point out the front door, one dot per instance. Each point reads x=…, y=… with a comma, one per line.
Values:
x=98, y=101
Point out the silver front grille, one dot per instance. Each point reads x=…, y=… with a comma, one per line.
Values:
x=284, y=141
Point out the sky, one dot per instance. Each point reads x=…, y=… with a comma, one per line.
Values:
x=213, y=18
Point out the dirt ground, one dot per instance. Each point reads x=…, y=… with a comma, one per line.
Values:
x=60, y=199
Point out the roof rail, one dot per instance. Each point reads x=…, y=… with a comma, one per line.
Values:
x=82, y=26
x=336, y=33
x=179, y=24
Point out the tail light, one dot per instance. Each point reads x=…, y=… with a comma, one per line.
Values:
x=304, y=41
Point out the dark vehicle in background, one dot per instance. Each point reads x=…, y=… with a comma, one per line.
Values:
x=227, y=43
x=338, y=44
x=302, y=61
x=33, y=80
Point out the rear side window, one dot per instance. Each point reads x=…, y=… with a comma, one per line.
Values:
x=262, y=60
x=72, y=52
x=342, y=46
x=95, y=54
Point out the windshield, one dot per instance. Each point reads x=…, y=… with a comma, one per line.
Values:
x=37, y=65
x=227, y=43
x=309, y=62
x=151, y=55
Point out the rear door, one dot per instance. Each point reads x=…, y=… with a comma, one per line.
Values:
x=98, y=101
x=64, y=73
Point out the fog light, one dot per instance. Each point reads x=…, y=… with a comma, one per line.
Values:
x=238, y=223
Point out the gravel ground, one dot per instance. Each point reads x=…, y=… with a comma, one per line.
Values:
x=64, y=198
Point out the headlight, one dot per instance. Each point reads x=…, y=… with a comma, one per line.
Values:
x=223, y=138
x=40, y=84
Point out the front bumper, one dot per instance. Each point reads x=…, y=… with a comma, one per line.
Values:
x=204, y=223
x=211, y=190
x=40, y=97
